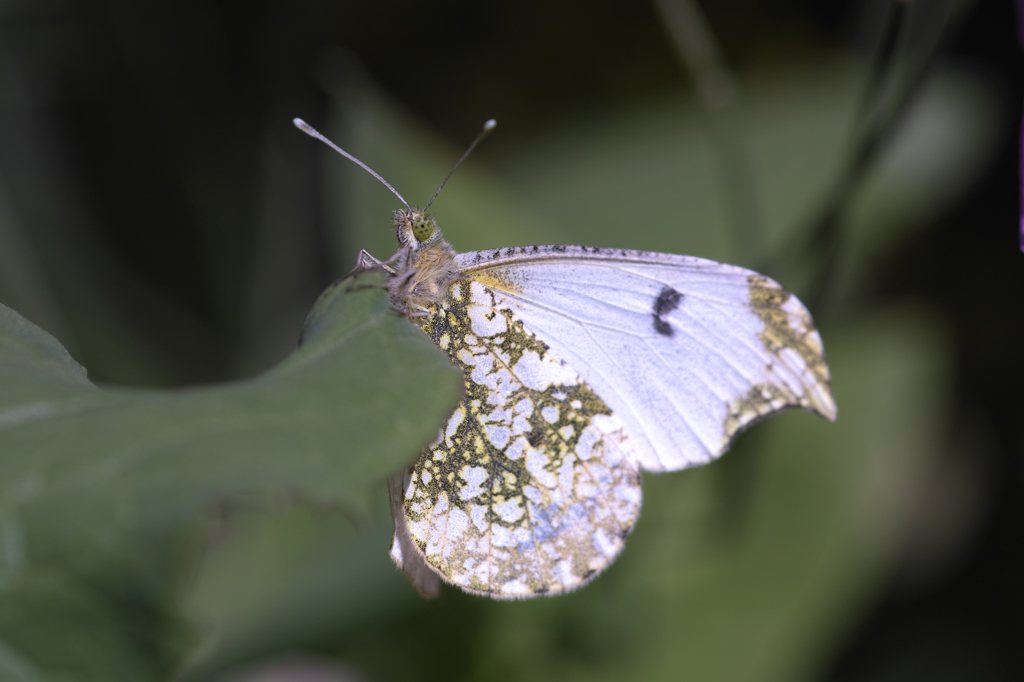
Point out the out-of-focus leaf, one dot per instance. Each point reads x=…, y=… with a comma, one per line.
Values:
x=355, y=402
x=54, y=629
x=287, y=578
x=103, y=483
x=648, y=176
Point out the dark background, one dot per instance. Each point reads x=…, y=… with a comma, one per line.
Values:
x=129, y=130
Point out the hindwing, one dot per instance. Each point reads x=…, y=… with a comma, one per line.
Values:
x=531, y=486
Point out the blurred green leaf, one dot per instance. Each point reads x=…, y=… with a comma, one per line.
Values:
x=54, y=628
x=285, y=578
x=646, y=177
x=103, y=483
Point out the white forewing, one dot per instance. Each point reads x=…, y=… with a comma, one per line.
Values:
x=687, y=352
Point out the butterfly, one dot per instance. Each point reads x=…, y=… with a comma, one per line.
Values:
x=584, y=367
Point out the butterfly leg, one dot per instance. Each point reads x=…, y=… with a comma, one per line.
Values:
x=367, y=262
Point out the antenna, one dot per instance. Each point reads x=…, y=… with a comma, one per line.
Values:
x=488, y=127
x=311, y=131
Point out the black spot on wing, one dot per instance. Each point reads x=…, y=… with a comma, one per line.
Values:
x=667, y=301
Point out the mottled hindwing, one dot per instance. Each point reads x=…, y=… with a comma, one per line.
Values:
x=532, y=485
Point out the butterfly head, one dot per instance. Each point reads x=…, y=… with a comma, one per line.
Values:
x=414, y=228
x=424, y=265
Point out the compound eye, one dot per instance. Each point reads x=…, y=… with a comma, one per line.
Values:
x=423, y=227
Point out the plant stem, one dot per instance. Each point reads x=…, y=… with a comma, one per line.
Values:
x=719, y=92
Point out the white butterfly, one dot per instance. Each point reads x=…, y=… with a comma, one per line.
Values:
x=583, y=367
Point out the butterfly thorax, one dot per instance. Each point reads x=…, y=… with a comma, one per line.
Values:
x=425, y=266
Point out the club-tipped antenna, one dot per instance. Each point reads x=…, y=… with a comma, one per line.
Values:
x=488, y=127
x=312, y=132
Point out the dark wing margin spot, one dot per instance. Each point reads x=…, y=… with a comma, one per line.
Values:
x=667, y=301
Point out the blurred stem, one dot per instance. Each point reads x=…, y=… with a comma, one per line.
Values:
x=827, y=239
x=877, y=123
x=882, y=59
x=719, y=92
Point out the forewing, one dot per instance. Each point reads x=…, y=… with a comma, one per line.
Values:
x=531, y=487
x=686, y=352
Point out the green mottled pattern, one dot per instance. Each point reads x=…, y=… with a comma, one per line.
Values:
x=791, y=339
x=531, y=487
x=788, y=325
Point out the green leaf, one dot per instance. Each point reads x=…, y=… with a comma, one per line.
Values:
x=53, y=628
x=104, y=483
x=365, y=392
x=287, y=578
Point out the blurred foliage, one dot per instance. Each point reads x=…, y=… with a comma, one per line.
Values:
x=162, y=219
